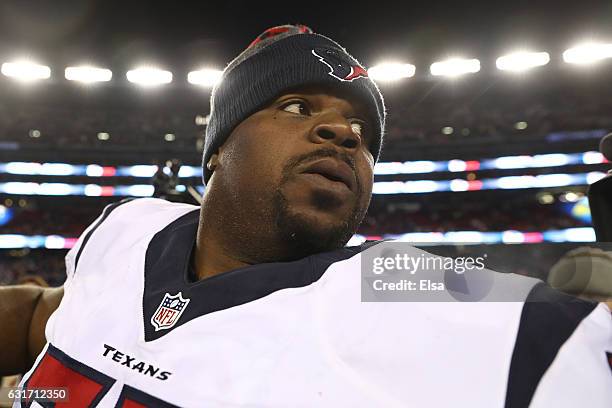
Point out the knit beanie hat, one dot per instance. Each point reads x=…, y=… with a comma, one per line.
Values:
x=279, y=59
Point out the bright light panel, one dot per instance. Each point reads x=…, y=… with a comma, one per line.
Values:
x=87, y=74
x=391, y=71
x=522, y=61
x=25, y=71
x=455, y=67
x=587, y=53
x=205, y=77
x=149, y=76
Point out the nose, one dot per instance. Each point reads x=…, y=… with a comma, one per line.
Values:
x=337, y=130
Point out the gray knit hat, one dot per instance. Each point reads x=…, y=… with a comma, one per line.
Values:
x=279, y=59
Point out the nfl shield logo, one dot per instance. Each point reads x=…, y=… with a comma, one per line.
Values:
x=169, y=311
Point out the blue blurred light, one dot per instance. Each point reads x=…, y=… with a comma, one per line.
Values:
x=6, y=215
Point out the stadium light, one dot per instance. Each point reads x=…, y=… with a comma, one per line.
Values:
x=87, y=74
x=521, y=125
x=455, y=67
x=391, y=71
x=588, y=53
x=522, y=61
x=205, y=77
x=147, y=76
x=202, y=120
x=25, y=70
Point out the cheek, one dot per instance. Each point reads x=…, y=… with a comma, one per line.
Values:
x=255, y=157
x=366, y=176
x=367, y=191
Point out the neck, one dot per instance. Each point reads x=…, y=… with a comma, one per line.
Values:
x=210, y=258
x=234, y=234
x=230, y=237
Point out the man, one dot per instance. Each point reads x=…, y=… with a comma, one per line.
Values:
x=253, y=300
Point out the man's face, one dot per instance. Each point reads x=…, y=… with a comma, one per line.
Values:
x=302, y=168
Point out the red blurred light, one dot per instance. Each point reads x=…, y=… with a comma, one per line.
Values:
x=108, y=171
x=69, y=242
x=533, y=237
x=474, y=185
x=472, y=165
x=373, y=238
x=107, y=191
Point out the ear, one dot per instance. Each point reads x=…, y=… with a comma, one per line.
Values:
x=212, y=163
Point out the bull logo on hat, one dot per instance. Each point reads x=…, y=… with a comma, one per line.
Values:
x=341, y=66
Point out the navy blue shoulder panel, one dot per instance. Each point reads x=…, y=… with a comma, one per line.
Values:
x=139, y=398
x=105, y=213
x=167, y=271
x=548, y=319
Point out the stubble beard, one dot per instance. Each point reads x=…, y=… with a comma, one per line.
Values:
x=300, y=236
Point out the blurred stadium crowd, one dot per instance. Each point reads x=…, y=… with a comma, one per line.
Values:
x=442, y=122
x=18, y=266
x=62, y=127
x=497, y=121
x=519, y=214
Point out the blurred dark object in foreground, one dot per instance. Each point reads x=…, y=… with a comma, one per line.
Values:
x=600, y=198
x=585, y=272
x=600, y=201
x=166, y=184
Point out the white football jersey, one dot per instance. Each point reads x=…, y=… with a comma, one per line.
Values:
x=133, y=330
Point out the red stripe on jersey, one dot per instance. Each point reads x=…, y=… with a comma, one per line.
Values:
x=132, y=404
x=52, y=373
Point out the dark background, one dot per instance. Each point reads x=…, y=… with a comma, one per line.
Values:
x=184, y=33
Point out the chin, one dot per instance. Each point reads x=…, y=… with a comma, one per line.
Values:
x=307, y=230
x=311, y=220
x=310, y=233
x=319, y=223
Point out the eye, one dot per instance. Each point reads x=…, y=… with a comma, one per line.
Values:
x=297, y=107
x=357, y=128
x=362, y=129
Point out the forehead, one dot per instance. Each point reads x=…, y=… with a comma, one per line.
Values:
x=330, y=96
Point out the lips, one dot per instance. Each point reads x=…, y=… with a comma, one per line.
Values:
x=333, y=170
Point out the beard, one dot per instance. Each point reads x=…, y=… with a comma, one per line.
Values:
x=298, y=233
